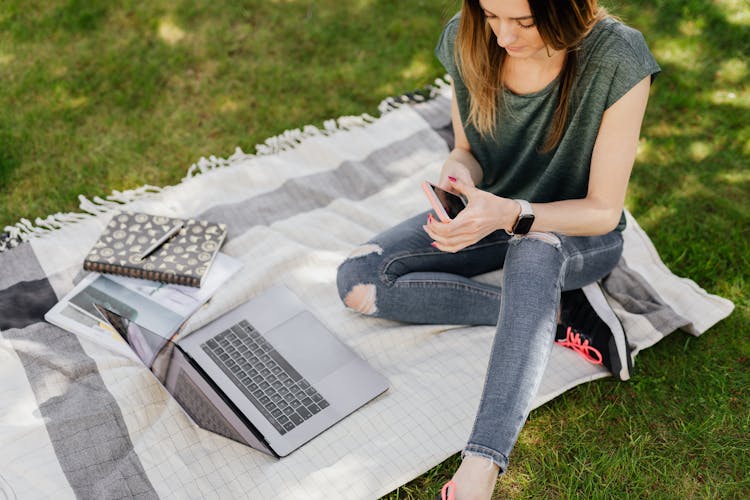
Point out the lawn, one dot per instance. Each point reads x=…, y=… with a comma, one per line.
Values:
x=97, y=95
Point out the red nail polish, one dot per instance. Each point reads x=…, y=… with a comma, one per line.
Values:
x=433, y=244
x=452, y=179
x=429, y=218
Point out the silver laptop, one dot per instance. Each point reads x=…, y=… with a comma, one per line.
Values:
x=268, y=373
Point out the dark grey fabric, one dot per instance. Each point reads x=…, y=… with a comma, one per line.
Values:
x=25, y=303
x=19, y=265
x=637, y=296
x=433, y=112
x=83, y=420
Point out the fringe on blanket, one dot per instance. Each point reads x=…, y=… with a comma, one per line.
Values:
x=25, y=230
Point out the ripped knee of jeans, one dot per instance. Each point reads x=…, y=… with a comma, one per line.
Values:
x=364, y=250
x=550, y=238
x=361, y=298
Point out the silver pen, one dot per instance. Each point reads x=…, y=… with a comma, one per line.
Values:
x=162, y=240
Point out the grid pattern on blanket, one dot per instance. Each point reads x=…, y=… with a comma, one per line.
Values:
x=84, y=421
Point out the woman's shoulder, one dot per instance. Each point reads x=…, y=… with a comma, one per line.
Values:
x=611, y=39
x=444, y=48
x=613, y=58
x=448, y=35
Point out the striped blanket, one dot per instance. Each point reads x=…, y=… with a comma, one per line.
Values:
x=78, y=420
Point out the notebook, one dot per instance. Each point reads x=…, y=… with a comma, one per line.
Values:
x=182, y=250
x=268, y=374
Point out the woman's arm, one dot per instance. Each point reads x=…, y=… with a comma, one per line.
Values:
x=598, y=213
x=611, y=163
x=460, y=164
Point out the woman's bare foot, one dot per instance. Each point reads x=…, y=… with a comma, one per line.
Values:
x=475, y=478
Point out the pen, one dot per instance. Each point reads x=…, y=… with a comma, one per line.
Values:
x=175, y=229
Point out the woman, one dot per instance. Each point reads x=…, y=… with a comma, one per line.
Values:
x=548, y=100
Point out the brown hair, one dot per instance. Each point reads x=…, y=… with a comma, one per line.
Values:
x=561, y=25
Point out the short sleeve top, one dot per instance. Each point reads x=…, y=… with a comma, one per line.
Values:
x=612, y=59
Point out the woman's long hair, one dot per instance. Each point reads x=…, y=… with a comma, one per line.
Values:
x=562, y=25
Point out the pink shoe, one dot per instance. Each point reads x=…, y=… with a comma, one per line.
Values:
x=448, y=492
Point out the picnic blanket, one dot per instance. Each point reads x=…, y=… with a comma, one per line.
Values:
x=77, y=420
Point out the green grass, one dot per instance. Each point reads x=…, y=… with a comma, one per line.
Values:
x=97, y=95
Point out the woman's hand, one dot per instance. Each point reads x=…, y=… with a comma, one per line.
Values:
x=484, y=214
x=457, y=170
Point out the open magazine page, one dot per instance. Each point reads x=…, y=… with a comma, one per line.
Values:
x=157, y=308
x=184, y=300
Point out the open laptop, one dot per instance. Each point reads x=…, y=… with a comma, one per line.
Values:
x=268, y=373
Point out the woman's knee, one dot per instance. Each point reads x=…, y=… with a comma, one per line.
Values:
x=534, y=254
x=356, y=279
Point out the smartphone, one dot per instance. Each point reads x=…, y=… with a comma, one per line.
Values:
x=447, y=205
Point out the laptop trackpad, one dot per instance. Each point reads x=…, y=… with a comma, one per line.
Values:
x=309, y=346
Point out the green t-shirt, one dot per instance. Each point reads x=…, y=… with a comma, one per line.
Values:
x=612, y=59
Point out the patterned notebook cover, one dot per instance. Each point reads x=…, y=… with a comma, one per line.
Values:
x=182, y=260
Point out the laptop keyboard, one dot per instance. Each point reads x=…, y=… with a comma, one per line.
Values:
x=276, y=389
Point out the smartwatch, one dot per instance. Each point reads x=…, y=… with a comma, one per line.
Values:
x=525, y=218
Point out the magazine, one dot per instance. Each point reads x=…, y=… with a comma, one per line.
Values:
x=159, y=308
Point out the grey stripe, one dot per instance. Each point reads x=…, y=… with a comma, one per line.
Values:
x=636, y=296
x=354, y=180
x=19, y=265
x=436, y=112
x=83, y=420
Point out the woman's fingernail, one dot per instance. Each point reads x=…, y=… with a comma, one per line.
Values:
x=429, y=218
x=452, y=179
x=433, y=244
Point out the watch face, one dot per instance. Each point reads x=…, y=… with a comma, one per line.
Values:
x=523, y=225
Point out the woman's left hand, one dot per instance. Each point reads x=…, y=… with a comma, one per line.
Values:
x=484, y=214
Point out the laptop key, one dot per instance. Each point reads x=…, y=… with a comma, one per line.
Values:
x=284, y=364
x=279, y=392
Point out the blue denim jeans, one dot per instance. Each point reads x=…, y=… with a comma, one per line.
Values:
x=399, y=276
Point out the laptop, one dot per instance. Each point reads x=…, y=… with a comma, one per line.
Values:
x=268, y=374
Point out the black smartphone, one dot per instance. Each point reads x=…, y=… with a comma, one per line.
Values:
x=447, y=205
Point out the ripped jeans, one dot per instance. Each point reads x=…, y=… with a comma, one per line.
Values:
x=398, y=275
